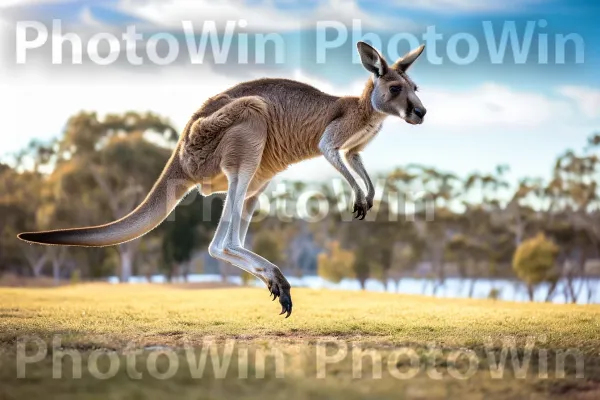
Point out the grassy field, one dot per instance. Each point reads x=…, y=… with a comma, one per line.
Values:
x=412, y=347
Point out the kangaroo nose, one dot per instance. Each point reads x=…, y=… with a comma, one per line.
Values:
x=420, y=112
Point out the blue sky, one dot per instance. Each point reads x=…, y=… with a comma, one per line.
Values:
x=480, y=114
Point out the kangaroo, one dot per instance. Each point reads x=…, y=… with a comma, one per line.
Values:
x=240, y=139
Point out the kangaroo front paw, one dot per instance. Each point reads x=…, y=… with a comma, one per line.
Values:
x=279, y=287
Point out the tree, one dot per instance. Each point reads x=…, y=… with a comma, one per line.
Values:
x=535, y=263
x=267, y=245
x=246, y=278
x=19, y=211
x=575, y=248
x=375, y=244
x=336, y=263
x=108, y=166
x=189, y=227
x=441, y=189
x=406, y=243
x=474, y=258
x=365, y=264
x=149, y=260
x=58, y=257
x=576, y=202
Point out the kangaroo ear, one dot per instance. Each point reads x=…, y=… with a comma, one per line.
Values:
x=371, y=59
x=406, y=61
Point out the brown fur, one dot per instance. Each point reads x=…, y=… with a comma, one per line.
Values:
x=297, y=115
x=200, y=142
x=238, y=140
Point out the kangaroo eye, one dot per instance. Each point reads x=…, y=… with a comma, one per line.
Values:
x=395, y=89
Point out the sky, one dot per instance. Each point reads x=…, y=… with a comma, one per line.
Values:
x=522, y=107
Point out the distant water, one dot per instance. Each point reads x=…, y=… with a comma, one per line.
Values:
x=452, y=287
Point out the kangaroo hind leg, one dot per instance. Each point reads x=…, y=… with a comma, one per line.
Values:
x=242, y=148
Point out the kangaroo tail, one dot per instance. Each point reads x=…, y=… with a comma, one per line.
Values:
x=168, y=190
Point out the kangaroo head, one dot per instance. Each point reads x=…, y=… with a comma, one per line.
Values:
x=393, y=91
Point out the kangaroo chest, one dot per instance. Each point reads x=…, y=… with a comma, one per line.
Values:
x=364, y=135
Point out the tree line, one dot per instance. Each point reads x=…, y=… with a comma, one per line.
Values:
x=479, y=226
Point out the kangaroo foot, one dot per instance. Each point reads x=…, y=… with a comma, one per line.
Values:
x=279, y=287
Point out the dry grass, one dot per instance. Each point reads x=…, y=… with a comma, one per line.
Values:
x=14, y=280
x=117, y=317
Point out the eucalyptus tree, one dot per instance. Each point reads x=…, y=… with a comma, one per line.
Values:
x=105, y=166
x=441, y=195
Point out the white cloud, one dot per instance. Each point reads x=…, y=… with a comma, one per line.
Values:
x=587, y=99
x=262, y=16
x=455, y=6
x=19, y=3
x=175, y=92
x=351, y=89
x=491, y=104
x=480, y=107
x=36, y=102
x=87, y=19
